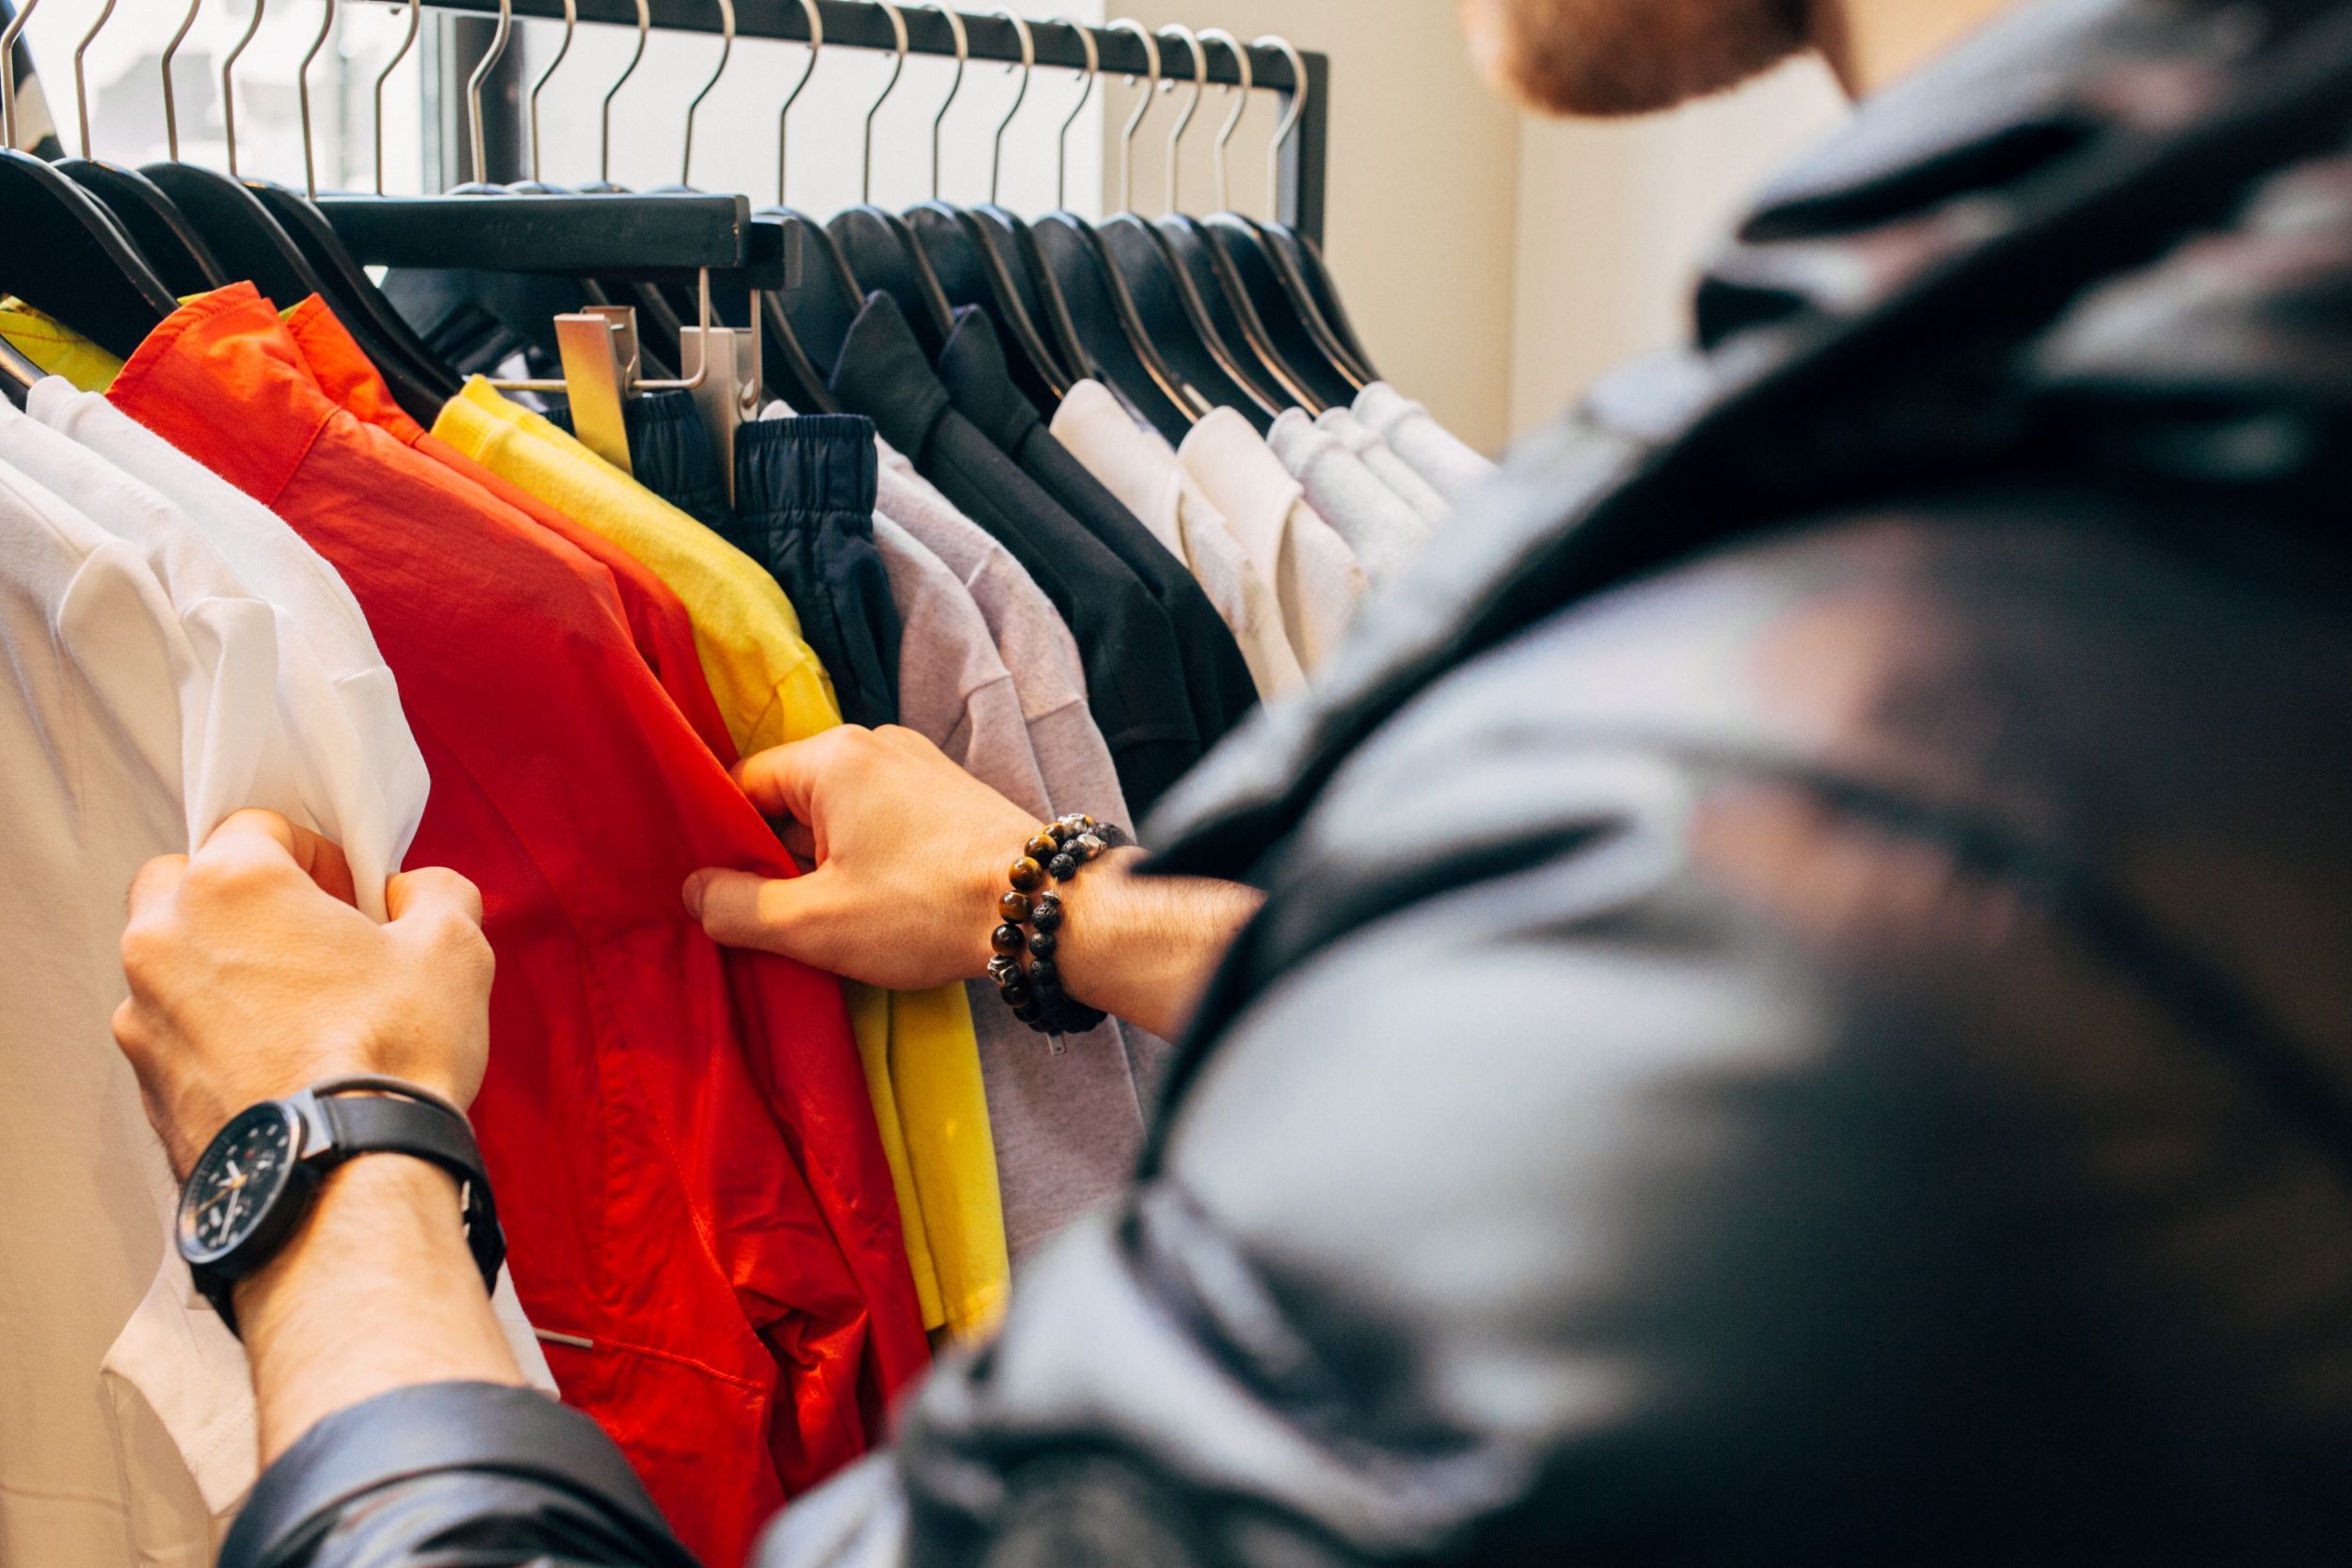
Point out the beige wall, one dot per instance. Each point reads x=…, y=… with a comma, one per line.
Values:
x=1495, y=263
x=1422, y=190
x=1615, y=219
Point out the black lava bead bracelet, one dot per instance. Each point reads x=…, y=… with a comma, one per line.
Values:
x=1032, y=916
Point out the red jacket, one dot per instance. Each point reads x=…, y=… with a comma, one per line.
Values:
x=660, y=1203
x=657, y=623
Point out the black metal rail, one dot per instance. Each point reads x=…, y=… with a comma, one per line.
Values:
x=855, y=24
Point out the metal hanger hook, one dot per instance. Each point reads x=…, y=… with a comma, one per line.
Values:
x=229, y=86
x=1143, y=106
x=897, y=69
x=604, y=153
x=783, y=116
x=7, y=71
x=473, y=89
x=726, y=53
x=81, y=83
x=1092, y=74
x=1241, y=104
x=1026, y=67
x=171, y=106
x=571, y=25
x=1290, y=116
x=302, y=98
x=1199, y=85
x=955, y=83
x=408, y=41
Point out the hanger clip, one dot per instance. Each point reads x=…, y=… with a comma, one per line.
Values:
x=598, y=347
x=729, y=394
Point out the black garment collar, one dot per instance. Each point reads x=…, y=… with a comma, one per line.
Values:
x=978, y=378
x=884, y=373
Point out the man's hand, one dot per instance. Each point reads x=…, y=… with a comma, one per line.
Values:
x=253, y=975
x=909, y=854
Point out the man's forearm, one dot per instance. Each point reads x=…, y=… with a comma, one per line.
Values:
x=1143, y=948
x=377, y=1292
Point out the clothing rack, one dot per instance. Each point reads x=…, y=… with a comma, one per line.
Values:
x=855, y=24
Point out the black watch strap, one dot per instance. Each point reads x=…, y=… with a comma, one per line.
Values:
x=431, y=1130
x=377, y=1124
x=397, y=1118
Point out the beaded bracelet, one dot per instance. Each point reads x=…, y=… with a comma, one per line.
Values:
x=1032, y=915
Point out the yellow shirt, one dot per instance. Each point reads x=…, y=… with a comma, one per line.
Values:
x=57, y=348
x=922, y=1061
x=770, y=686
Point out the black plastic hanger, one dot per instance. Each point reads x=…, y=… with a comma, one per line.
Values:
x=1005, y=234
x=876, y=243
x=421, y=380
x=807, y=322
x=246, y=242
x=1227, y=304
x=882, y=252
x=968, y=271
x=1089, y=301
x=971, y=275
x=145, y=214
x=1011, y=249
x=394, y=346
x=1299, y=264
x=1178, y=321
x=1104, y=315
x=64, y=253
x=1287, y=316
x=1293, y=318
x=79, y=267
x=1297, y=255
x=155, y=223
x=1171, y=311
x=1224, y=304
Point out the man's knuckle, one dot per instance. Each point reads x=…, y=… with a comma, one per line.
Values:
x=226, y=877
x=145, y=947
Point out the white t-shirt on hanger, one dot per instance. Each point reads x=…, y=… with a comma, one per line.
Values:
x=1141, y=470
x=1317, y=580
x=1386, y=466
x=1386, y=535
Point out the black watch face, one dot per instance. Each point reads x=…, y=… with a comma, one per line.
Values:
x=235, y=1181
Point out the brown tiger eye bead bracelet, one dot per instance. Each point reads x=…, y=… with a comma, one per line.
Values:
x=1032, y=914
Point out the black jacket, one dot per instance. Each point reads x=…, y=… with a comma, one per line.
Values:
x=1133, y=668
x=1801, y=1015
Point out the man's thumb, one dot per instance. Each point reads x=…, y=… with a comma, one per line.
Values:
x=741, y=910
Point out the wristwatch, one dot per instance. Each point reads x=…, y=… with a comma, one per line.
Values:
x=261, y=1173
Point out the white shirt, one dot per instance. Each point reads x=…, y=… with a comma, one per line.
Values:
x=1317, y=581
x=1386, y=535
x=1433, y=452
x=273, y=563
x=1388, y=468
x=101, y=690
x=253, y=719
x=1142, y=470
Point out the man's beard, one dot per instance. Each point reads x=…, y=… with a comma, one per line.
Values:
x=1630, y=56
